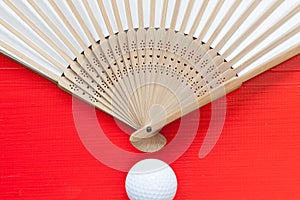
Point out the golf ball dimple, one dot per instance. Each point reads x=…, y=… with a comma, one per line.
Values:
x=151, y=179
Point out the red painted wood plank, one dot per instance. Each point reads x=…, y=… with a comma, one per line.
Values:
x=257, y=156
x=292, y=65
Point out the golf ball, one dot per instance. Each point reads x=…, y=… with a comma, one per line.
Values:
x=151, y=179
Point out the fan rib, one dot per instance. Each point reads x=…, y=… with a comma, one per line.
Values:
x=187, y=16
x=164, y=13
x=31, y=44
x=81, y=22
x=117, y=15
x=118, y=107
x=85, y=28
x=128, y=14
x=46, y=56
x=237, y=24
x=39, y=69
x=105, y=17
x=211, y=19
x=113, y=69
x=130, y=85
x=152, y=13
x=94, y=20
x=224, y=21
x=159, y=91
x=199, y=17
x=141, y=13
x=37, y=30
x=282, y=57
x=68, y=24
x=266, y=34
x=252, y=28
x=54, y=27
x=295, y=30
x=175, y=14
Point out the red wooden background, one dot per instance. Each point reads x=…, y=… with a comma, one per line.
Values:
x=257, y=156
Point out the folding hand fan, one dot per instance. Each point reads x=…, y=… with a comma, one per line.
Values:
x=148, y=62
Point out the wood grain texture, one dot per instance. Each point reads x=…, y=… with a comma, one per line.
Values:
x=257, y=156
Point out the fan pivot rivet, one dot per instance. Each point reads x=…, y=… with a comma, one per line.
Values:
x=149, y=129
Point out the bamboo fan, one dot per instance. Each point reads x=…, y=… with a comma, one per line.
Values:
x=149, y=62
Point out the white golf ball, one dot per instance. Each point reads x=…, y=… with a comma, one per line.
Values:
x=151, y=179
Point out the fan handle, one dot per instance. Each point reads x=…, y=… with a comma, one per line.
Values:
x=149, y=144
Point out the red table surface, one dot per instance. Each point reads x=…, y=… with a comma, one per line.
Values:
x=256, y=157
